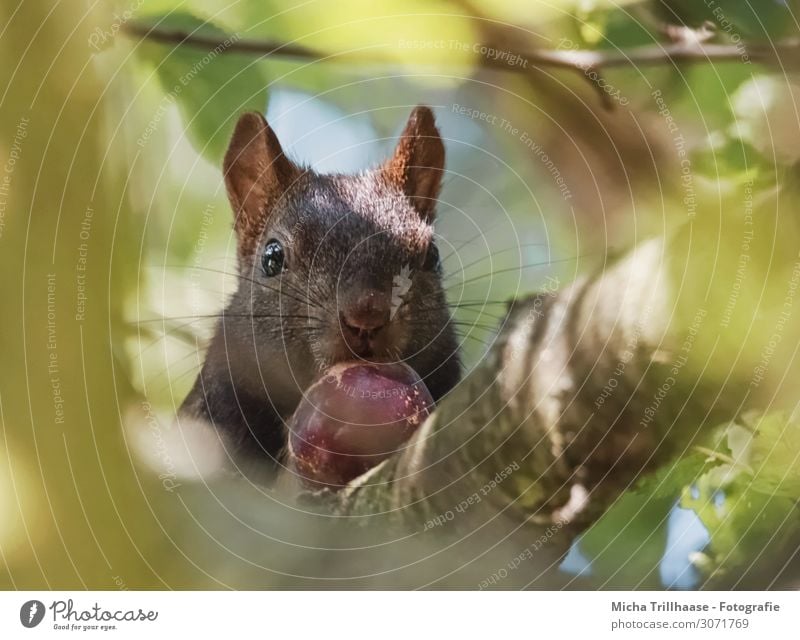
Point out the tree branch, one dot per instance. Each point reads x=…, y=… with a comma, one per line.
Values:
x=691, y=51
x=530, y=440
x=586, y=389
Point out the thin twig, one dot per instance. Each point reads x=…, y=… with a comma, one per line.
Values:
x=691, y=51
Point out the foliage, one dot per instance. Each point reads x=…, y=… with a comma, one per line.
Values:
x=510, y=226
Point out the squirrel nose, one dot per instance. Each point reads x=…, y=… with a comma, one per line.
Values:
x=367, y=314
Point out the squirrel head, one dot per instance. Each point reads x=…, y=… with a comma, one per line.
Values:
x=344, y=265
x=260, y=177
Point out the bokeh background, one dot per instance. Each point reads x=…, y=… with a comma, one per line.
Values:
x=117, y=252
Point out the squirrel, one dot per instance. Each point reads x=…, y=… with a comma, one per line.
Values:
x=331, y=268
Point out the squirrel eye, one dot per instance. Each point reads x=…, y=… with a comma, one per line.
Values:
x=272, y=260
x=432, y=262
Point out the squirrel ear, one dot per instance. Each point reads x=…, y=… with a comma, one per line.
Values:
x=417, y=165
x=257, y=172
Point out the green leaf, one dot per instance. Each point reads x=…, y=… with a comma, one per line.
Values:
x=735, y=20
x=209, y=84
x=743, y=525
x=748, y=503
x=591, y=22
x=775, y=457
x=626, y=545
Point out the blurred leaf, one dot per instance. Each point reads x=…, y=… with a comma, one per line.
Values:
x=737, y=19
x=749, y=504
x=210, y=87
x=744, y=526
x=626, y=545
x=624, y=29
x=591, y=22
x=670, y=481
x=413, y=33
x=766, y=110
x=775, y=457
x=733, y=163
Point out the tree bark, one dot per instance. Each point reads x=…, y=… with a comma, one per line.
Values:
x=587, y=388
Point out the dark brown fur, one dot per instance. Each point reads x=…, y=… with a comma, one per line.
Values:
x=353, y=243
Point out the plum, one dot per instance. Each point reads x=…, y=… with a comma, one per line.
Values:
x=356, y=415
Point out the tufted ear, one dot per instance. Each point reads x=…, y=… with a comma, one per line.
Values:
x=257, y=172
x=417, y=165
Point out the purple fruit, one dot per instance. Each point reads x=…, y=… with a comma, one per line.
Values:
x=355, y=416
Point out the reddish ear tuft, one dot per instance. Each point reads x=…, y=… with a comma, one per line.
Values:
x=417, y=165
x=257, y=173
